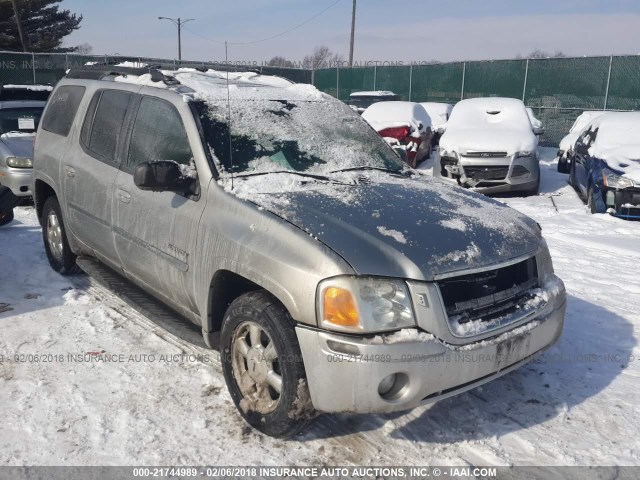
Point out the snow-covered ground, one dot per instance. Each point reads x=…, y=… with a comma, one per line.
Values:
x=577, y=405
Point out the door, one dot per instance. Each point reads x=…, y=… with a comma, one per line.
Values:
x=89, y=172
x=155, y=232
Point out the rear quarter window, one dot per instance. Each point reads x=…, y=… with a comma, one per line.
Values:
x=61, y=109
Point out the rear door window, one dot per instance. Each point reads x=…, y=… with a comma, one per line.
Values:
x=61, y=109
x=158, y=134
x=103, y=127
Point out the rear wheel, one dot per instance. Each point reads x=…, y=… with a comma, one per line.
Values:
x=263, y=366
x=56, y=245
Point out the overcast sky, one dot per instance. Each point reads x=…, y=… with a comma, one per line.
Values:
x=385, y=30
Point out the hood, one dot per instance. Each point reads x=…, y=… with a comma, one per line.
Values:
x=624, y=159
x=19, y=145
x=488, y=140
x=414, y=228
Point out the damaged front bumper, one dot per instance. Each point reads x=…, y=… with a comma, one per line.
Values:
x=400, y=372
x=489, y=175
x=623, y=203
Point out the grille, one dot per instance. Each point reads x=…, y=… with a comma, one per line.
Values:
x=487, y=173
x=487, y=296
x=486, y=154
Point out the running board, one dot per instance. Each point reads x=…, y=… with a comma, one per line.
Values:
x=130, y=301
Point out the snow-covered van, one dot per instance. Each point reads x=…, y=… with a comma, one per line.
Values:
x=329, y=275
x=489, y=146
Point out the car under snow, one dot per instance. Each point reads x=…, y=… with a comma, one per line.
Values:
x=489, y=146
x=406, y=126
x=567, y=144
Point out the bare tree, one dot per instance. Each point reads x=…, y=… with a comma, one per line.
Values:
x=279, y=61
x=322, y=57
x=537, y=53
x=84, y=49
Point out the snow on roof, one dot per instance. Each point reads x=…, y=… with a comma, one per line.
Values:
x=618, y=142
x=34, y=88
x=376, y=93
x=212, y=84
x=383, y=115
x=490, y=113
x=582, y=122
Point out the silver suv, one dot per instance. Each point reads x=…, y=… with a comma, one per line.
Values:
x=331, y=277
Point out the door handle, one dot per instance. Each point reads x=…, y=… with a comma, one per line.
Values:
x=70, y=172
x=124, y=197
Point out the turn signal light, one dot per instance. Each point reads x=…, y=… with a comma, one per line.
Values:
x=339, y=308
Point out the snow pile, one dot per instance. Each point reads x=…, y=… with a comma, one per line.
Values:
x=376, y=93
x=454, y=224
x=468, y=255
x=395, y=234
x=438, y=112
x=132, y=64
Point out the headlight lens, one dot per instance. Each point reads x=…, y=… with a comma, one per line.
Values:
x=17, y=162
x=363, y=305
x=612, y=180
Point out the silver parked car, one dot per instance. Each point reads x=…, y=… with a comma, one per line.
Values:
x=490, y=145
x=20, y=111
x=275, y=218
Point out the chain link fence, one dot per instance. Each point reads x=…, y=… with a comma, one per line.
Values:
x=557, y=89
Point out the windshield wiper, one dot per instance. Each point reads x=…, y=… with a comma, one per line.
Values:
x=404, y=173
x=301, y=174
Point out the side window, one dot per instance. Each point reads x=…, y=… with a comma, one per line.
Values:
x=62, y=108
x=103, y=123
x=158, y=134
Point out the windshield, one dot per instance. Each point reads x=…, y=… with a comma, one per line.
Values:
x=298, y=136
x=24, y=120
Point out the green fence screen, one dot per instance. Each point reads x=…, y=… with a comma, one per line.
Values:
x=558, y=89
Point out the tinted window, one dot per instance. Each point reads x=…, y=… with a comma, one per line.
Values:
x=158, y=134
x=20, y=119
x=107, y=123
x=62, y=108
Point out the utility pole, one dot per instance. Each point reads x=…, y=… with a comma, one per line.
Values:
x=178, y=22
x=16, y=12
x=353, y=33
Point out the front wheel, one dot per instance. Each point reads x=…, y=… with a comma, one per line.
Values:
x=595, y=204
x=263, y=366
x=54, y=234
x=6, y=217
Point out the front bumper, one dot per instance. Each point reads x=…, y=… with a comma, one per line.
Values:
x=19, y=180
x=520, y=174
x=625, y=203
x=344, y=372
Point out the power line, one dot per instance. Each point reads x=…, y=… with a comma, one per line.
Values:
x=272, y=36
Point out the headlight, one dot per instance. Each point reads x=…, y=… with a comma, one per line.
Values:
x=364, y=305
x=17, y=162
x=525, y=154
x=545, y=265
x=612, y=180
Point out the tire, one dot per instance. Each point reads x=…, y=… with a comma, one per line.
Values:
x=563, y=165
x=592, y=201
x=260, y=351
x=6, y=217
x=54, y=235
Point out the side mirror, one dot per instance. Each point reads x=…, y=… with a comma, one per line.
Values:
x=582, y=149
x=162, y=176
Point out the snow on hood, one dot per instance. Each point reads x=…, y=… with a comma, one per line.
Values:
x=20, y=144
x=383, y=115
x=617, y=142
x=377, y=228
x=489, y=124
x=625, y=159
x=488, y=140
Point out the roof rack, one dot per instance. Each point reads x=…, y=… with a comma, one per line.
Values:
x=104, y=71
